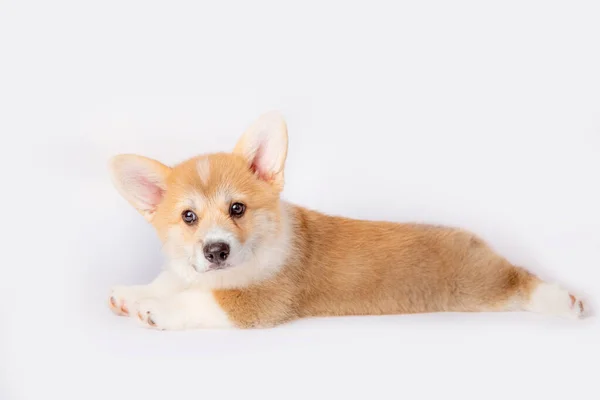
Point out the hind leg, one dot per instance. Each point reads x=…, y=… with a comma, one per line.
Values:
x=526, y=292
x=510, y=288
x=487, y=281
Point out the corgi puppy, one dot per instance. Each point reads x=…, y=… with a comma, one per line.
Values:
x=239, y=256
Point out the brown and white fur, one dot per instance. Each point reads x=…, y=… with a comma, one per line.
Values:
x=282, y=262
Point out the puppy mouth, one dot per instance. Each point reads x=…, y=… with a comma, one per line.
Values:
x=212, y=267
x=217, y=267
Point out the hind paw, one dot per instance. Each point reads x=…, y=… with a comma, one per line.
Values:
x=577, y=305
x=554, y=300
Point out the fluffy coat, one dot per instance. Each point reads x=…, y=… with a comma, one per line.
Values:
x=281, y=262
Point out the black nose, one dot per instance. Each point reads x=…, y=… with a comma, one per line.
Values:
x=216, y=252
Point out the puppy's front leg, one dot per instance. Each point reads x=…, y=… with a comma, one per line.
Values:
x=188, y=309
x=123, y=298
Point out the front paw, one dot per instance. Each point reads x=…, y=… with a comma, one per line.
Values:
x=157, y=314
x=122, y=299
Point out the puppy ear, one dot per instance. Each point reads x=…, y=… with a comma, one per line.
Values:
x=264, y=145
x=140, y=180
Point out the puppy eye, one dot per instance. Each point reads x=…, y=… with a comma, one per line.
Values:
x=189, y=217
x=237, y=210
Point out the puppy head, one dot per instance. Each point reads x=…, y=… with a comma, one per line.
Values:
x=213, y=212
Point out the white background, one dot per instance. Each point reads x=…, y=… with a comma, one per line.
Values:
x=484, y=115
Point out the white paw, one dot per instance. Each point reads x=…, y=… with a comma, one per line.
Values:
x=122, y=299
x=554, y=300
x=158, y=314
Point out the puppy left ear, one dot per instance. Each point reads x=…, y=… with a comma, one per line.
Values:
x=264, y=145
x=140, y=180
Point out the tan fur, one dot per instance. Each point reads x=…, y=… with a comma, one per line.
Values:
x=349, y=267
x=334, y=266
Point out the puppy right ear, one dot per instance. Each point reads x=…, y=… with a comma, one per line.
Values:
x=264, y=145
x=140, y=180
